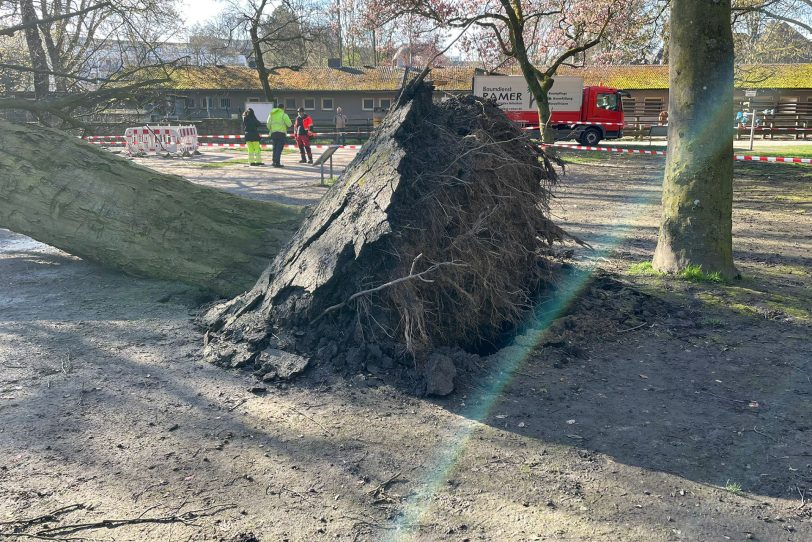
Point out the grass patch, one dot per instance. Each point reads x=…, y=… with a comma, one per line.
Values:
x=787, y=269
x=733, y=487
x=748, y=310
x=790, y=310
x=712, y=322
x=644, y=269
x=793, y=199
x=694, y=273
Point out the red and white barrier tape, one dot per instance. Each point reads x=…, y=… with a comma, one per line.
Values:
x=739, y=157
x=226, y=136
x=789, y=159
x=240, y=136
x=775, y=129
x=605, y=149
x=528, y=128
x=647, y=125
x=229, y=145
x=220, y=136
x=269, y=146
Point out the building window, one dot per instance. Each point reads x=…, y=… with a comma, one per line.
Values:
x=310, y=104
x=368, y=104
x=327, y=104
x=225, y=103
x=652, y=106
x=190, y=103
x=209, y=103
x=629, y=105
x=290, y=103
x=253, y=100
x=385, y=103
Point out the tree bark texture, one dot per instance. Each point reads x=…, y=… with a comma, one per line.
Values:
x=696, y=224
x=436, y=235
x=105, y=209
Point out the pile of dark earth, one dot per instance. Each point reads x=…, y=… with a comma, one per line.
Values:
x=432, y=248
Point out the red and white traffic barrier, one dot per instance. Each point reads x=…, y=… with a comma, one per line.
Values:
x=172, y=139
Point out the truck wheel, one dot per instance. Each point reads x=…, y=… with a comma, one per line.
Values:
x=590, y=137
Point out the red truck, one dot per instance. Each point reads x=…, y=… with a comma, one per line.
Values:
x=587, y=114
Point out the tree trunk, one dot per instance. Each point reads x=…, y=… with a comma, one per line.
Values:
x=543, y=105
x=374, y=48
x=35, y=50
x=105, y=209
x=262, y=71
x=696, y=226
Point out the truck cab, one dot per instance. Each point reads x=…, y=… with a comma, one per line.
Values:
x=601, y=117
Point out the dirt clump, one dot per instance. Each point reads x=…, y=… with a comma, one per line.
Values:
x=437, y=235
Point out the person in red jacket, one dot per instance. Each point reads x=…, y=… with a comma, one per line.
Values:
x=301, y=131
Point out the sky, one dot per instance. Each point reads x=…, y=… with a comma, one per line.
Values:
x=200, y=11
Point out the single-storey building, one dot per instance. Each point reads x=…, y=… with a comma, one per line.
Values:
x=224, y=92
x=362, y=92
x=784, y=88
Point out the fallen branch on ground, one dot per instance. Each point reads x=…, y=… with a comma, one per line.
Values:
x=184, y=518
x=50, y=516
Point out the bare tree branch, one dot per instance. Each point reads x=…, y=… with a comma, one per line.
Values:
x=11, y=30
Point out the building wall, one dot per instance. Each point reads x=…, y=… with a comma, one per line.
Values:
x=792, y=106
x=359, y=106
x=643, y=106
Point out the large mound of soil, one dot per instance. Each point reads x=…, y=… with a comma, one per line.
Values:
x=436, y=235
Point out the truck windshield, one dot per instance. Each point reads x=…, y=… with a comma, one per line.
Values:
x=607, y=101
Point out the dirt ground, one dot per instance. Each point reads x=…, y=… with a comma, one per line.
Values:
x=632, y=407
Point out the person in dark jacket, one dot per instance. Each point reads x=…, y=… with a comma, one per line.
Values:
x=301, y=131
x=251, y=127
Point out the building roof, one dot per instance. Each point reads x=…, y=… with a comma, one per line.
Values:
x=458, y=78
x=629, y=77
x=643, y=77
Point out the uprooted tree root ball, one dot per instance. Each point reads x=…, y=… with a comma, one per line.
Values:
x=436, y=236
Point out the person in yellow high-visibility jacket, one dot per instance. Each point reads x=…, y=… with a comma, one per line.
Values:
x=251, y=126
x=278, y=124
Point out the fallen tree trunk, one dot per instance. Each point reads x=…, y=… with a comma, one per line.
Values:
x=105, y=209
x=435, y=236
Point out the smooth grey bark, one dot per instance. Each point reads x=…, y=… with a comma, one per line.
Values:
x=105, y=209
x=696, y=224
